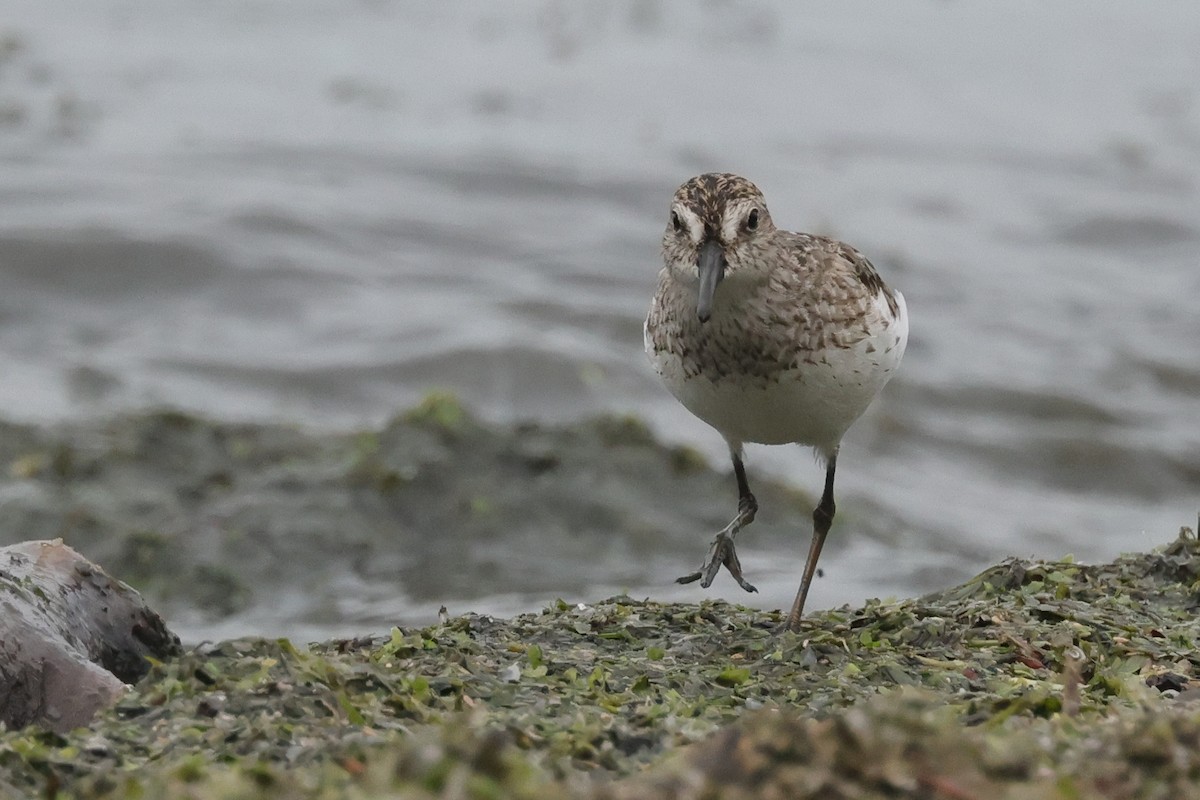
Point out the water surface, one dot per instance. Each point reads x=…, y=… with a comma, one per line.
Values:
x=316, y=212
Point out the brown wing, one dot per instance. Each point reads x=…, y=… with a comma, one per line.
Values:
x=864, y=269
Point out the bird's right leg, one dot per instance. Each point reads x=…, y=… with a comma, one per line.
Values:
x=722, y=550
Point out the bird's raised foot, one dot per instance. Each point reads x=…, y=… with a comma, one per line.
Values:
x=720, y=552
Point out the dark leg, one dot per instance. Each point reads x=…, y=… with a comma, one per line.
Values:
x=822, y=519
x=722, y=550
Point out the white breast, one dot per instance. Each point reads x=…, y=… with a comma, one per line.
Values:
x=813, y=404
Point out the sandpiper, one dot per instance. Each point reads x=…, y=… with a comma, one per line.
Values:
x=769, y=336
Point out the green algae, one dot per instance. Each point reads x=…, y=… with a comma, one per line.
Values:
x=1033, y=679
x=440, y=410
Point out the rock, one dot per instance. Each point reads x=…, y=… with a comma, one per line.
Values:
x=71, y=637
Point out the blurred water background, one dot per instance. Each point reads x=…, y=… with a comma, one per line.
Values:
x=318, y=211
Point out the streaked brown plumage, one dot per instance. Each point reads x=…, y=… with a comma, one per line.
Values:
x=769, y=336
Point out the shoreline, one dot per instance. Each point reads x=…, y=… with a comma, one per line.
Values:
x=1032, y=679
x=223, y=525
x=1011, y=684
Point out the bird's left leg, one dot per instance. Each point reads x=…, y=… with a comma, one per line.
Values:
x=822, y=520
x=722, y=550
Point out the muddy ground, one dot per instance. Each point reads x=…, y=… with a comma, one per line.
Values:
x=1032, y=680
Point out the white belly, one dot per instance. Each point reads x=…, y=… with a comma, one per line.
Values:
x=813, y=404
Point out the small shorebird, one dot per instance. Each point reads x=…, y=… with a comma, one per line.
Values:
x=769, y=336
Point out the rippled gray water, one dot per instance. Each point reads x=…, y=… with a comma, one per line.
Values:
x=318, y=211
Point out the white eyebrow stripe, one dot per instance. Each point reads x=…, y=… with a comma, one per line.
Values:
x=692, y=220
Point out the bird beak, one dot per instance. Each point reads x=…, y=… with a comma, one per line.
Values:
x=712, y=270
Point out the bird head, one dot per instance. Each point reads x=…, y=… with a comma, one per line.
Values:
x=717, y=221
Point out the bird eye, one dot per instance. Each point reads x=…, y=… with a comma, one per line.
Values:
x=676, y=222
x=752, y=220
